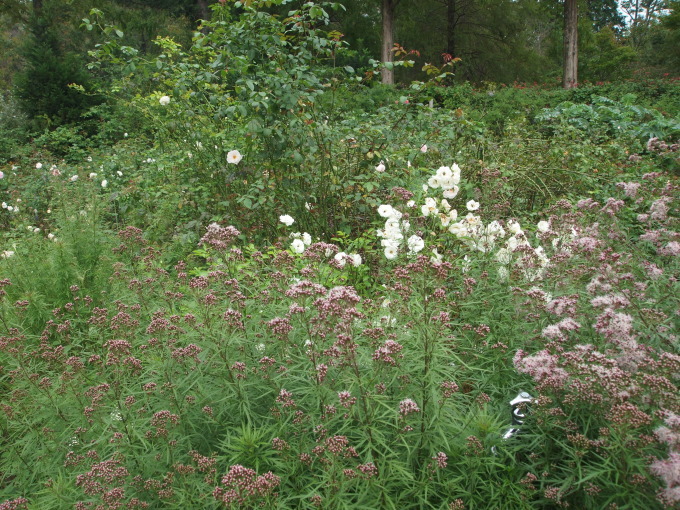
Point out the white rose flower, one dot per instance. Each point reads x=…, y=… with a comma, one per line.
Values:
x=164, y=101
x=286, y=220
x=495, y=229
x=430, y=207
x=472, y=205
x=340, y=258
x=415, y=243
x=433, y=182
x=514, y=227
x=298, y=246
x=390, y=243
x=392, y=226
x=386, y=211
x=446, y=183
x=455, y=169
x=234, y=157
x=444, y=172
x=451, y=193
x=543, y=226
x=472, y=220
x=391, y=252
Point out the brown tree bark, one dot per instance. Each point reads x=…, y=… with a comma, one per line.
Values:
x=570, y=69
x=202, y=8
x=387, y=55
x=451, y=22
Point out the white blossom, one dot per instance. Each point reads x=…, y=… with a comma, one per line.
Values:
x=286, y=219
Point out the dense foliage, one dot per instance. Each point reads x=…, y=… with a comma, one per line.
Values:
x=252, y=277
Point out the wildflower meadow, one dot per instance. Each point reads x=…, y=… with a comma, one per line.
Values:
x=272, y=283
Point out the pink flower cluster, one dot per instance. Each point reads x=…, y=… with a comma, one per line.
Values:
x=407, y=407
x=387, y=352
x=219, y=237
x=243, y=486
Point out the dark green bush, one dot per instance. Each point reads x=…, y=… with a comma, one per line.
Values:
x=53, y=88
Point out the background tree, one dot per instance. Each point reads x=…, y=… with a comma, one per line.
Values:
x=53, y=87
x=387, y=10
x=642, y=16
x=605, y=13
x=662, y=50
x=570, y=69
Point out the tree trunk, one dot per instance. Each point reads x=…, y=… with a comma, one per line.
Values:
x=451, y=23
x=37, y=6
x=202, y=8
x=387, y=11
x=570, y=71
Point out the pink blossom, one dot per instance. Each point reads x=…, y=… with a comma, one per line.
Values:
x=408, y=406
x=669, y=471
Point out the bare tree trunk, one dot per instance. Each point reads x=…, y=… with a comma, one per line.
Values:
x=387, y=11
x=451, y=23
x=570, y=71
x=202, y=8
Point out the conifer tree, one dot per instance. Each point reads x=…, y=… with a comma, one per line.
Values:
x=53, y=85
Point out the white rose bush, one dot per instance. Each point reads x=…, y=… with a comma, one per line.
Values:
x=507, y=247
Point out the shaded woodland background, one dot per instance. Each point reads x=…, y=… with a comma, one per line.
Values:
x=44, y=44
